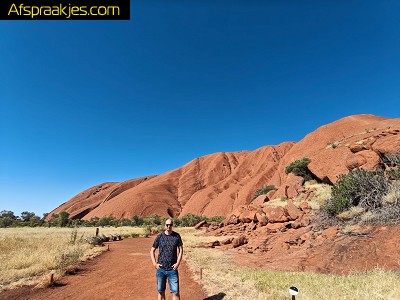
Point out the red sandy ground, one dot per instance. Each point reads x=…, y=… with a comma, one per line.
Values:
x=124, y=272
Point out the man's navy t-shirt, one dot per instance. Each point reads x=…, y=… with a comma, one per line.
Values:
x=168, y=245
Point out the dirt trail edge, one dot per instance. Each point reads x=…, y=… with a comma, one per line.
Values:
x=124, y=272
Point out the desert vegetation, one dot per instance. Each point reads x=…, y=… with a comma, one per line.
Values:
x=9, y=219
x=29, y=219
x=360, y=196
x=299, y=168
x=364, y=196
x=322, y=192
x=29, y=255
x=264, y=190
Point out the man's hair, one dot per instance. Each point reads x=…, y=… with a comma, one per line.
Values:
x=169, y=219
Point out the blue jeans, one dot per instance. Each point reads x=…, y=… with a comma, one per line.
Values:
x=173, y=280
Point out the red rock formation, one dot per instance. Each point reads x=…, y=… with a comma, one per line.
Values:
x=289, y=247
x=80, y=205
x=219, y=183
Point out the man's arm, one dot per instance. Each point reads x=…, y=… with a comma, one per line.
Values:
x=179, y=251
x=153, y=258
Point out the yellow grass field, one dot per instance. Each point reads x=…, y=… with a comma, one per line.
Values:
x=28, y=255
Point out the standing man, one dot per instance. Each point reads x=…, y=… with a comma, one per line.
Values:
x=169, y=257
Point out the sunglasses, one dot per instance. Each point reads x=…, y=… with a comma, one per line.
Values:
x=168, y=225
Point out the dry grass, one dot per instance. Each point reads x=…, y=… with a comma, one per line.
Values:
x=351, y=213
x=322, y=192
x=393, y=195
x=221, y=275
x=29, y=255
x=367, y=285
x=368, y=217
x=278, y=202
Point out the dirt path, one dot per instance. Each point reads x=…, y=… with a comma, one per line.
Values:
x=124, y=272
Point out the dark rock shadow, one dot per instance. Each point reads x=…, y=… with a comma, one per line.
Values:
x=57, y=284
x=218, y=296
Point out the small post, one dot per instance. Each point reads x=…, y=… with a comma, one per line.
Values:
x=201, y=273
x=293, y=291
x=97, y=231
x=108, y=247
x=51, y=279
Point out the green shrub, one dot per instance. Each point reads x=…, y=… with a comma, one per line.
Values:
x=125, y=222
x=60, y=220
x=153, y=220
x=299, y=168
x=264, y=190
x=177, y=222
x=190, y=220
x=6, y=222
x=218, y=219
x=107, y=221
x=357, y=188
x=137, y=221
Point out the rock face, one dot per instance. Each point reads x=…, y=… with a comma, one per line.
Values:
x=289, y=241
x=286, y=247
x=87, y=201
x=217, y=184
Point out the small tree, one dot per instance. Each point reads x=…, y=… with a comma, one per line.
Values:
x=137, y=221
x=63, y=218
x=6, y=222
x=7, y=214
x=35, y=221
x=300, y=168
x=7, y=218
x=26, y=216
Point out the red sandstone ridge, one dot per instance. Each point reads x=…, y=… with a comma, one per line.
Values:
x=334, y=149
x=217, y=184
x=80, y=205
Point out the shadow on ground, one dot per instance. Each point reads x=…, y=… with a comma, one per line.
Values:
x=57, y=284
x=218, y=296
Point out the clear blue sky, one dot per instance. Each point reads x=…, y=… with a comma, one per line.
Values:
x=85, y=102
